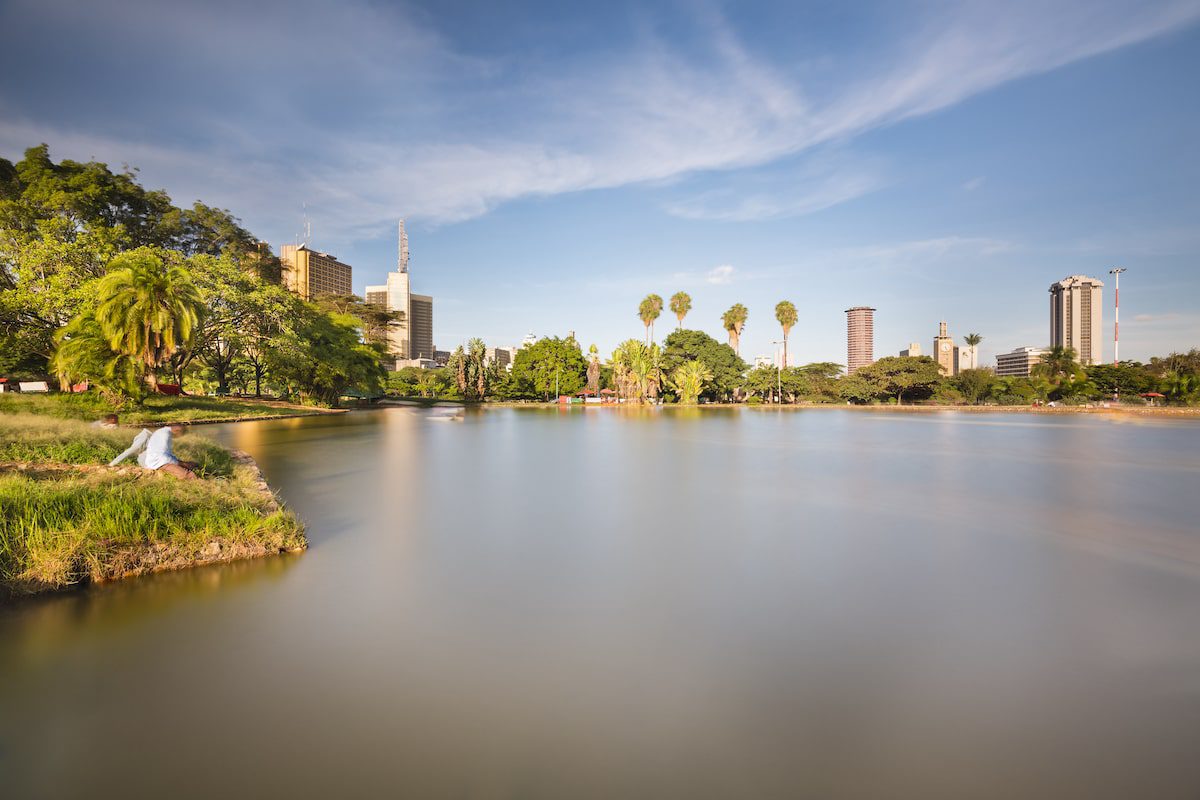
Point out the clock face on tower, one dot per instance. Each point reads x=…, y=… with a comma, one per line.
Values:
x=945, y=347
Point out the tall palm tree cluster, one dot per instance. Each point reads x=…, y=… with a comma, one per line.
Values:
x=146, y=310
x=637, y=370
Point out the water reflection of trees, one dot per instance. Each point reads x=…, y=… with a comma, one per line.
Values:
x=35, y=626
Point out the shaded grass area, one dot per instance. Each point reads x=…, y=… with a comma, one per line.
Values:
x=60, y=528
x=159, y=408
x=67, y=518
x=32, y=439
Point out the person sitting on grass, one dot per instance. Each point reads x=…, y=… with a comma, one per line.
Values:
x=154, y=451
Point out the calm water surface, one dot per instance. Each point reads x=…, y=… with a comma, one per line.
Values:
x=590, y=603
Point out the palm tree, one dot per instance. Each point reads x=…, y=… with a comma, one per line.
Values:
x=786, y=314
x=734, y=321
x=689, y=379
x=627, y=359
x=654, y=361
x=1177, y=385
x=973, y=340
x=1058, y=364
x=147, y=309
x=681, y=304
x=593, y=370
x=648, y=310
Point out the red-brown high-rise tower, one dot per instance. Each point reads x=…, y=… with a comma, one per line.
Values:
x=860, y=337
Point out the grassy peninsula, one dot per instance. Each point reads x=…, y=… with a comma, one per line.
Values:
x=68, y=518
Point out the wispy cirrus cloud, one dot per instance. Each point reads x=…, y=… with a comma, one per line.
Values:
x=394, y=117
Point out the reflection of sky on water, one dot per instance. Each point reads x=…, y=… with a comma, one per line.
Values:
x=603, y=603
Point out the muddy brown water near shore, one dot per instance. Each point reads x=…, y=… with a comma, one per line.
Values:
x=651, y=603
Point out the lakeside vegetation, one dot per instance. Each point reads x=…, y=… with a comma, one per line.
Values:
x=690, y=366
x=153, y=410
x=105, y=282
x=67, y=518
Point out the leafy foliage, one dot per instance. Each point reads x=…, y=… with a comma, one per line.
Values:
x=723, y=363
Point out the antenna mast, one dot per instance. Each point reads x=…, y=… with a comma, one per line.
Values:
x=402, y=256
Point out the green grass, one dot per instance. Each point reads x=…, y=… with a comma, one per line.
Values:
x=159, y=408
x=64, y=518
x=32, y=439
x=59, y=528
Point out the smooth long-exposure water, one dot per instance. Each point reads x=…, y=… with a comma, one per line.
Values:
x=596, y=603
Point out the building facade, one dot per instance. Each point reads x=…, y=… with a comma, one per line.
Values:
x=860, y=338
x=310, y=273
x=502, y=356
x=943, y=350
x=1076, y=317
x=1019, y=363
x=966, y=358
x=914, y=349
x=410, y=337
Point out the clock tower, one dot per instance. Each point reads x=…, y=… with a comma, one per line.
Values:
x=943, y=350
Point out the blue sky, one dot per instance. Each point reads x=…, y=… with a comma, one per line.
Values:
x=559, y=161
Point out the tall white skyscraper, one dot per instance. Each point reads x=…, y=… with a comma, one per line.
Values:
x=1076, y=317
x=410, y=337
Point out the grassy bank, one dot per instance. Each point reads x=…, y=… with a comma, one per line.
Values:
x=68, y=519
x=157, y=409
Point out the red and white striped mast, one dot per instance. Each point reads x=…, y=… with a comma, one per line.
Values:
x=1116, y=272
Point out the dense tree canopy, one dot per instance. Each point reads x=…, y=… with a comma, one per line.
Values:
x=726, y=367
x=88, y=256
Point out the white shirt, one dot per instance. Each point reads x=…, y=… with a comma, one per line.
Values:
x=137, y=448
x=158, y=450
x=153, y=449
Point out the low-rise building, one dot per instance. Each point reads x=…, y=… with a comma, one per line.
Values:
x=914, y=349
x=1019, y=363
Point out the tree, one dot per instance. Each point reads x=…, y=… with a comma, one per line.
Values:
x=689, y=379
x=469, y=367
x=972, y=341
x=1179, y=386
x=1058, y=364
x=681, y=304
x=975, y=384
x=1127, y=378
x=593, y=370
x=649, y=310
x=546, y=364
x=325, y=357
x=786, y=316
x=767, y=381
x=734, y=320
x=147, y=308
x=83, y=354
x=727, y=369
x=822, y=379
x=892, y=376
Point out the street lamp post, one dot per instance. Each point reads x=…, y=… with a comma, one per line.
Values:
x=1116, y=273
x=779, y=379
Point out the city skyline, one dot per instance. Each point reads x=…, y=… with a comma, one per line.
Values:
x=557, y=164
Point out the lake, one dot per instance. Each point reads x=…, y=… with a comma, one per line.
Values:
x=610, y=603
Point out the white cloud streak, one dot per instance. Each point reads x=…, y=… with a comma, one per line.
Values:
x=458, y=135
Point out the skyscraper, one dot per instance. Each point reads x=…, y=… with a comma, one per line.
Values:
x=1076, y=317
x=309, y=273
x=860, y=337
x=411, y=336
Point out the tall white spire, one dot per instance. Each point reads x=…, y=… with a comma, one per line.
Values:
x=402, y=262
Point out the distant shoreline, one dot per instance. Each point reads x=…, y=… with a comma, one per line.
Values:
x=1136, y=411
